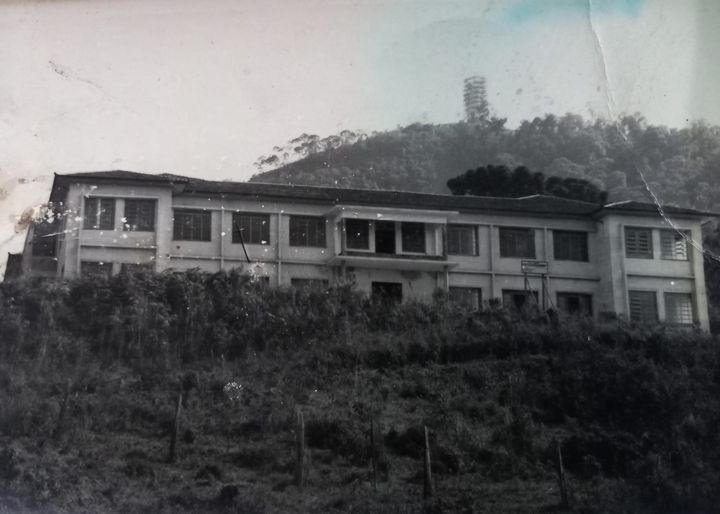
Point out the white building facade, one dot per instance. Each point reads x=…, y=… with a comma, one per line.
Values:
x=574, y=256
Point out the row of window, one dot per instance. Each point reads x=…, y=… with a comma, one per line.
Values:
x=572, y=303
x=248, y=228
x=673, y=244
x=678, y=307
x=100, y=214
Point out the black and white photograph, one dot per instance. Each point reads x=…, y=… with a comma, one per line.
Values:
x=359, y=256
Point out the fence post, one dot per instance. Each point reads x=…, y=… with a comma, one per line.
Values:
x=176, y=430
x=564, y=498
x=373, y=452
x=60, y=426
x=299, y=449
x=428, y=491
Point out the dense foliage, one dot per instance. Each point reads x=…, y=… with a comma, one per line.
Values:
x=500, y=181
x=637, y=408
x=680, y=165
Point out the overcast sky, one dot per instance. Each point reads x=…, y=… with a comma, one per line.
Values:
x=204, y=88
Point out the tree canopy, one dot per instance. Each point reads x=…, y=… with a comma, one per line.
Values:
x=493, y=180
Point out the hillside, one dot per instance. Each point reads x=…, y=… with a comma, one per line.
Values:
x=91, y=370
x=682, y=166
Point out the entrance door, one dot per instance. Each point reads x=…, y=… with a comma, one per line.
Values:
x=384, y=237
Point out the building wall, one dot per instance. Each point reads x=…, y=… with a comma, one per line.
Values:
x=607, y=275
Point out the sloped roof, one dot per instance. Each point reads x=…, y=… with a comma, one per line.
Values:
x=642, y=207
x=536, y=204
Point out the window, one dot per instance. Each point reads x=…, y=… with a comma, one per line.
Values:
x=678, y=308
x=673, y=245
x=307, y=231
x=643, y=306
x=461, y=240
x=468, y=297
x=575, y=303
x=385, y=237
x=517, y=242
x=135, y=267
x=570, y=246
x=94, y=269
x=139, y=215
x=413, y=237
x=253, y=229
x=390, y=292
x=191, y=225
x=357, y=234
x=99, y=213
x=638, y=243
x=309, y=283
x=519, y=299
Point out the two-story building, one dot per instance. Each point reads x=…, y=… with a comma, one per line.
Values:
x=575, y=256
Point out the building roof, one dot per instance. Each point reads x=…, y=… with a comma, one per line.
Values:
x=536, y=204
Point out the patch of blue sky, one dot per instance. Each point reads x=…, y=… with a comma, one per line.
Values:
x=523, y=11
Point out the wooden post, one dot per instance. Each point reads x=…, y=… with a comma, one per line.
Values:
x=564, y=499
x=428, y=488
x=60, y=427
x=176, y=430
x=299, y=449
x=373, y=452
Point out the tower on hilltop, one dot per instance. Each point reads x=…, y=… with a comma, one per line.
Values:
x=475, y=96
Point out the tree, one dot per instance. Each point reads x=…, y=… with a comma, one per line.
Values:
x=500, y=181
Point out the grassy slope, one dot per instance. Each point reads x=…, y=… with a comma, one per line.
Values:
x=636, y=408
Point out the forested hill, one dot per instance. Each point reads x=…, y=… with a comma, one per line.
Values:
x=682, y=166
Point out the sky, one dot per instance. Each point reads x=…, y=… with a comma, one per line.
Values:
x=205, y=88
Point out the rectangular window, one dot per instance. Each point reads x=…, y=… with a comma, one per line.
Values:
x=468, y=297
x=575, y=303
x=674, y=246
x=95, y=268
x=310, y=283
x=191, y=225
x=461, y=240
x=519, y=299
x=139, y=215
x=251, y=229
x=357, y=234
x=638, y=243
x=134, y=267
x=570, y=246
x=643, y=306
x=413, y=237
x=387, y=292
x=517, y=242
x=307, y=231
x=678, y=308
x=99, y=213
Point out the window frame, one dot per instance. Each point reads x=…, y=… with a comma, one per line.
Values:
x=474, y=303
x=138, y=227
x=691, y=305
x=671, y=232
x=503, y=244
x=568, y=237
x=309, y=283
x=634, y=254
x=569, y=294
x=410, y=230
x=649, y=294
x=459, y=229
x=318, y=239
x=106, y=268
x=512, y=292
x=364, y=232
x=99, y=210
x=239, y=235
x=204, y=215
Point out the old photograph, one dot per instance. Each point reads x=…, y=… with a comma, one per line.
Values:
x=364, y=256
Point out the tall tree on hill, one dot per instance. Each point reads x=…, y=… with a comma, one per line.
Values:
x=500, y=181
